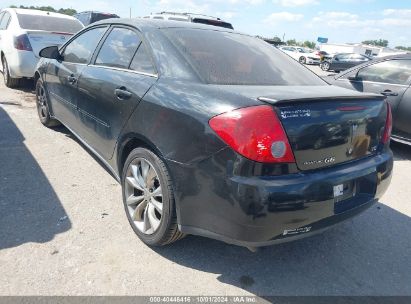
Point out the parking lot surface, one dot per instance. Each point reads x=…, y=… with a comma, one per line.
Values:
x=63, y=231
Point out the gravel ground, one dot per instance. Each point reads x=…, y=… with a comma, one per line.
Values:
x=63, y=231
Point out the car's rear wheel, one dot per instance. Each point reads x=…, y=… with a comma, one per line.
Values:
x=8, y=80
x=148, y=198
x=302, y=60
x=42, y=104
x=325, y=66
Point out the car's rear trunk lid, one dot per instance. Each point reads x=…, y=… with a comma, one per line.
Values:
x=42, y=39
x=331, y=126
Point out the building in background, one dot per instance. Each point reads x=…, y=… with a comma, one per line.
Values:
x=359, y=48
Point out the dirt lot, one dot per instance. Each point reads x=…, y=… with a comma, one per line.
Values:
x=63, y=231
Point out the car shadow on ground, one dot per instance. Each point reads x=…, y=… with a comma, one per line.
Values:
x=367, y=255
x=401, y=151
x=30, y=210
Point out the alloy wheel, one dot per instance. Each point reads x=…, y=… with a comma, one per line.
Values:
x=144, y=197
x=5, y=71
x=41, y=101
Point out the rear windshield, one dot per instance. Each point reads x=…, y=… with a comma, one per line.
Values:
x=213, y=22
x=49, y=23
x=235, y=59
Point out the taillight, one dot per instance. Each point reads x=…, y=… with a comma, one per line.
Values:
x=22, y=43
x=388, y=126
x=254, y=132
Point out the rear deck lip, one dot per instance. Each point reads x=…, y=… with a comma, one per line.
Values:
x=273, y=101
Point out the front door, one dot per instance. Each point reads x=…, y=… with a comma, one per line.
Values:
x=62, y=75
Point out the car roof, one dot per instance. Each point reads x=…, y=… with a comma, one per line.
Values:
x=146, y=24
x=34, y=12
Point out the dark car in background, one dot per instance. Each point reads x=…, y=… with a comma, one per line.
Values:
x=343, y=61
x=391, y=77
x=201, y=126
x=90, y=17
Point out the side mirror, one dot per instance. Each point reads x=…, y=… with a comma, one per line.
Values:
x=353, y=77
x=51, y=52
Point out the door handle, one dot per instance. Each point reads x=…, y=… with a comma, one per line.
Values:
x=389, y=93
x=122, y=93
x=72, y=79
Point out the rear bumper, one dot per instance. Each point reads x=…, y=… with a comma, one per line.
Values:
x=260, y=211
x=22, y=64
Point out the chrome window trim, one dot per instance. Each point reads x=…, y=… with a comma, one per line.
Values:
x=123, y=70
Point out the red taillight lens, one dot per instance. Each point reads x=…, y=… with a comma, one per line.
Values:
x=254, y=132
x=388, y=126
x=22, y=43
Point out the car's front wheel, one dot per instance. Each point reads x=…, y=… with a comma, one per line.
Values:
x=8, y=80
x=148, y=198
x=43, y=106
x=302, y=60
x=325, y=66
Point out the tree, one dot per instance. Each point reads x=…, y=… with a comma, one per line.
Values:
x=309, y=44
x=276, y=39
x=379, y=42
x=292, y=42
x=66, y=11
x=404, y=48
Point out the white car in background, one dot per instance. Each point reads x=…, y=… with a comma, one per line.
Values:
x=24, y=33
x=301, y=54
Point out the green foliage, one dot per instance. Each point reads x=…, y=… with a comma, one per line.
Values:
x=66, y=11
x=379, y=42
x=276, y=39
x=404, y=48
x=292, y=42
x=307, y=44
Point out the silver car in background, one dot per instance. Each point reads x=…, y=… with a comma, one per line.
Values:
x=23, y=33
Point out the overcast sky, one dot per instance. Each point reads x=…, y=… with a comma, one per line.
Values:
x=338, y=20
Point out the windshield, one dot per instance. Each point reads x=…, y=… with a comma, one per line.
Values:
x=49, y=23
x=230, y=58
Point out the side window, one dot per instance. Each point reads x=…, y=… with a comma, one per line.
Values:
x=5, y=20
x=392, y=71
x=142, y=61
x=81, y=48
x=119, y=48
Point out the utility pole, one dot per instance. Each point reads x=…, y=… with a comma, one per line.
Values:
x=130, y=12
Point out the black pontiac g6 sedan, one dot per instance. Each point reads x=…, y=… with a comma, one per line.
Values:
x=216, y=133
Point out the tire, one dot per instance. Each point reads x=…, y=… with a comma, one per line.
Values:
x=42, y=104
x=155, y=226
x=8, y=81
x=325, y=66
x=302, y=60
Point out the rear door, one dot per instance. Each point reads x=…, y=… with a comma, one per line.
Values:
x=339, y=62
x=5, y=43
x=110, y=88
x=403, y=121
x=62, y=76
